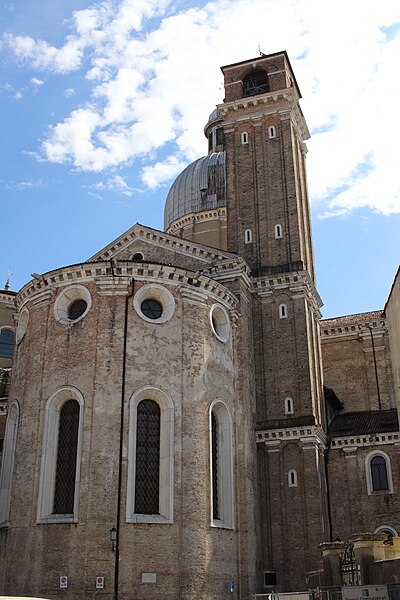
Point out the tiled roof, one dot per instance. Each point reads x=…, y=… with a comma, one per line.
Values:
x=356, y=318
x=361, y=423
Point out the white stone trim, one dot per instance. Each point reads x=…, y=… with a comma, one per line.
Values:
x=220, y=323
x=159, y=293
x=359, y=441
x=49, y=456
x=307, y=434
x=385, y=528
x=289, y=406
x=23, y=321
x=248, y=236
x=166, y=405
x=292, y=478
x=225, y=465
x=66, y=298
x=283, y=311
x=368, y=473
x=7, y=465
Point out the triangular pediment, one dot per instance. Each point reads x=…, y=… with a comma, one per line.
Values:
x=158, y=246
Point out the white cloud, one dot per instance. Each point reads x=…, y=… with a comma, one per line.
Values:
x=155, y=175
x=154, y=77
x=116, y=184
x=37, y=81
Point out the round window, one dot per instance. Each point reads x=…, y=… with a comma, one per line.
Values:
x=76, y=309
x=151, y=308
x=154, y=303
x=72, y=304
x=220, y=324
x=22, y=325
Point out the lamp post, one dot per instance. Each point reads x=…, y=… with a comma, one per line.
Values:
x=113, y=538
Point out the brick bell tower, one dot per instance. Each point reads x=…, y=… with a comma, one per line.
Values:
x=262, y=130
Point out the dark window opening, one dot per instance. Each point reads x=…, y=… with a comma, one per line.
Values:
x=214, y=466
x=147, y=473
x=270, y=578
x=151, y=309
x=138, y=257
x=6, y=343
x=64, y=492
x=220, y=137
x=379, y=474
x=76, y=309
x=255, y=83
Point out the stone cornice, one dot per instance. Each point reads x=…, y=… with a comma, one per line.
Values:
x=200, y=217
x=358, y=327
x=282, y=101
x=7, y=298
x=352, y=442
x=309, y=435
x=298, y=282
x=116, y=279
x=200, y=252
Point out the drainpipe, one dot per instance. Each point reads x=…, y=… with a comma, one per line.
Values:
x=121, y=436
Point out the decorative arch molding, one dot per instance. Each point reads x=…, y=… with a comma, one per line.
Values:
x=166, y=463
x=221, y=465
x=388, y=529
x=7, y=465
x=383, y=486
x=292, y=478
x=48, y=468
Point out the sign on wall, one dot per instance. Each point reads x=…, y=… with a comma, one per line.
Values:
x=363, y=592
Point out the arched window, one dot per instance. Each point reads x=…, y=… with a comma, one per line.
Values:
x=283, y=311
x=150, y=457
x=221, y=466
x=255, y=83
x=248, y=236
x=245, y=137
x=271, y=132
x=7, y=465
x=61, y=453
x=64, y=487
x=378, y=473
x=292, y=478
x=289, y=406
x=147, y=474
x=6, y=342
x=278, y=231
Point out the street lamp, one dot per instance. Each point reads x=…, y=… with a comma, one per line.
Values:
x=113, y=538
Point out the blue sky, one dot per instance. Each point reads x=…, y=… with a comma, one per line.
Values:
x=103, y=104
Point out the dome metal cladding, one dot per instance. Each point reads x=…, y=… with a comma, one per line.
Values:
x=201, y=186
x=212, y=119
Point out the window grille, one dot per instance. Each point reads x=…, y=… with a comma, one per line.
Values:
x=380, y=481
x=151, y=308
x=147, y=476
x=64, y=492
x=214, y=466
x=6, y=343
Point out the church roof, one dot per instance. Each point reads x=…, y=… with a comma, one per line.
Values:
x=362, y=423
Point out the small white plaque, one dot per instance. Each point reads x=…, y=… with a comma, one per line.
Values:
x=149, y=577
